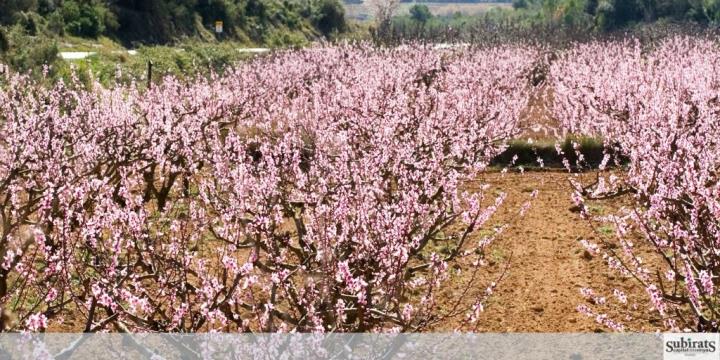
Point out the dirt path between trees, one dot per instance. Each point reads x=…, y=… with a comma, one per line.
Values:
x=546, y=264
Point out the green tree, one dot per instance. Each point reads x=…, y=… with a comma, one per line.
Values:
x=4, y=41
x=591, y=6
x=520, y=4
x=420, y=13
x=10, y=8
x=88, y=18
x=710, y=10
x=330, y=17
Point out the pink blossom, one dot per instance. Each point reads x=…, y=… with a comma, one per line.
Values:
x=36, y=322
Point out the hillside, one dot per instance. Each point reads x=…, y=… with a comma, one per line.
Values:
x=164, y=21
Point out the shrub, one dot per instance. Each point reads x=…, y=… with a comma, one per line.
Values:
x=9, y=9
x=4, y=41
x=56, y=24
x=420, y=13
x=330, y=17
x=30, y=23
x=84, y=18
x=33, y=54
x=520, y=4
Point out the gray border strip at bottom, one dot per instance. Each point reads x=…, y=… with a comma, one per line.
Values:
x=333, y=346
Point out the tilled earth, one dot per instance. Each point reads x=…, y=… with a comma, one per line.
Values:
x=545, y=265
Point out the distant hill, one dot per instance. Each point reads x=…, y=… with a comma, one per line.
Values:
x=163, y=21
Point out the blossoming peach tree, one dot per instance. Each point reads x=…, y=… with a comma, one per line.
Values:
x=305, y=191
x=656, y=106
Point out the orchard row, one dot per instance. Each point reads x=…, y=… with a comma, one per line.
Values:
x=324, y=189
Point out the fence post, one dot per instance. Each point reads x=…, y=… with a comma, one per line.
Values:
x=149, y=74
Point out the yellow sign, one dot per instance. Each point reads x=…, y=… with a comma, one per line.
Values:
x=218, y=26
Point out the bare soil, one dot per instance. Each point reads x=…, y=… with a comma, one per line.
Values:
x=545, y=265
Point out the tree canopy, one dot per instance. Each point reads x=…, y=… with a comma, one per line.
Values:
x=158, y=21
x=611, y=14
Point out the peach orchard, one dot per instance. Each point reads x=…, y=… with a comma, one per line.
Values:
x=306, y=191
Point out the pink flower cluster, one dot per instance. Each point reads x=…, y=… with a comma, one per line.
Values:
x=299, y=192
x=659, y=107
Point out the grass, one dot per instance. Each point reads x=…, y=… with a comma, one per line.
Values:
x=527, y=154
x=606, y=230
x=185, y=61
x=497, y=255
x=74, y=43
x=596, y=209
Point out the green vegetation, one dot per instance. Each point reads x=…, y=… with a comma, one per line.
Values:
x=166, y=21
x=612, y=14
x=604, y=15
x=178, y=36
x=592, y=149
x=25, y=52
x=557, y=20
x=420, y=13
x=607, y=230
x=184, y=60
